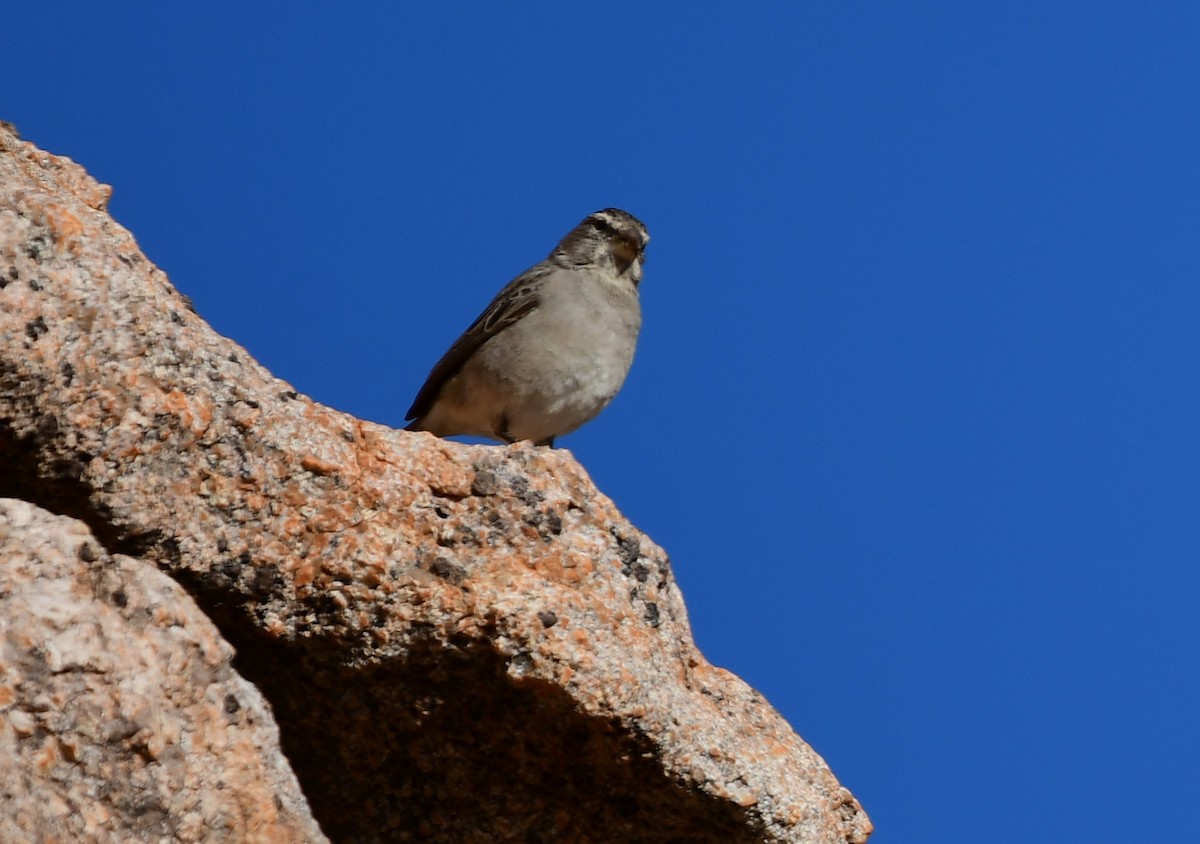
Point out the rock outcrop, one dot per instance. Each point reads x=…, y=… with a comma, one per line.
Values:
x=122, y=717
x=458, y=643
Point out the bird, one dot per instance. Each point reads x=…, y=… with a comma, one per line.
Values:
x=552, y=349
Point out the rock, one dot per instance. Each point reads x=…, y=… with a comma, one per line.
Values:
x=121, y=717
x=460, y=643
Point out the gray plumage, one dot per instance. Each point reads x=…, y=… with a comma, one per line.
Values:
x=553, y=347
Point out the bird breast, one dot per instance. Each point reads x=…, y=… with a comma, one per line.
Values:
x=573, y=351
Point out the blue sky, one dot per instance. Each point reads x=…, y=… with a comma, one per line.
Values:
x=915, y=405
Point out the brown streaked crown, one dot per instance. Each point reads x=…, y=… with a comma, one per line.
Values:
x=610, y=235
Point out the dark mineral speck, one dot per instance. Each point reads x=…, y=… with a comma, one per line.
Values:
x=651, y=615
x=35, y=328
x=447, y=570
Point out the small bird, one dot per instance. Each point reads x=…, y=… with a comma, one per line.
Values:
x=553, y=347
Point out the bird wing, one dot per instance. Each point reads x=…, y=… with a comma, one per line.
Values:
x=517, y=299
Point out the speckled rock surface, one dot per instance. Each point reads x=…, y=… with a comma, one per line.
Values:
x=460, y=643
x=121, y=718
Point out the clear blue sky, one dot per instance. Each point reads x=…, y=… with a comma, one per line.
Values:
x=915, y=408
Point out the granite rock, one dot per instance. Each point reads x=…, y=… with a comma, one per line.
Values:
x=121, y=717
x=460, y=643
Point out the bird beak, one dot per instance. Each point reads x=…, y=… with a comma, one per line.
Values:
x=624, y=254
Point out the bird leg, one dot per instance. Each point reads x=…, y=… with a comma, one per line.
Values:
x=500, y=429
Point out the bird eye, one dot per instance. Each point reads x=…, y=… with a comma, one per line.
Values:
x=603, y=225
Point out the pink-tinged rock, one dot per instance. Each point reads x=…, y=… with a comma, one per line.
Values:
x=121, y=718
x=460, y=643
